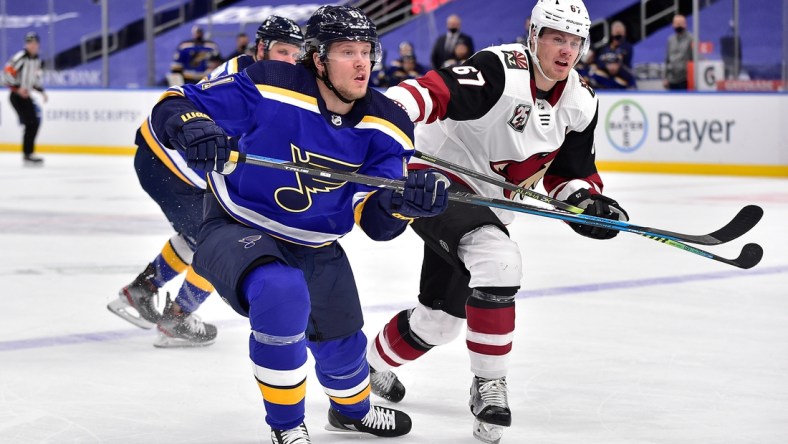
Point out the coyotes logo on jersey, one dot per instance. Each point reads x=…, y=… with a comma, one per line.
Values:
x=515, y=60
x=523, y=173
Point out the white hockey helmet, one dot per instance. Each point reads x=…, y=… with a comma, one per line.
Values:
x=569, y=16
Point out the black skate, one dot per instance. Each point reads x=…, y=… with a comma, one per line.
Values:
x=183, y=329
x=31, y=160
x=296, y=435
x=380, y=421
x=490, y=405
x=386, y=385
x=141, y=296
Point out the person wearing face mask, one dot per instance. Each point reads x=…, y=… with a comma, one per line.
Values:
x=679, y=53
x=443, y=49
x=618, y=45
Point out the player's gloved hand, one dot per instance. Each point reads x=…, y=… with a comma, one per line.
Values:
x=204, y=143
x=424, y=195
x=599, y=206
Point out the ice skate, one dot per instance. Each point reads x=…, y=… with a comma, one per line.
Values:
x=296, y=435
x=31, y=160
x=140, y=296
x=489, y=404
x=380, y=421
x=183, y=329
x=386, y=385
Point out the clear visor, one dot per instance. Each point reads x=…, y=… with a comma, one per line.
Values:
x=354, y=49
x=285, y=49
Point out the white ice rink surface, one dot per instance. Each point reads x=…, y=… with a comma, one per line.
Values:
x=620, y=341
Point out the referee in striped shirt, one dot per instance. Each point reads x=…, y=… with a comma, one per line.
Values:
x=22, y=74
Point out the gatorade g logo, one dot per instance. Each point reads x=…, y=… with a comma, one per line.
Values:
x=709, y=77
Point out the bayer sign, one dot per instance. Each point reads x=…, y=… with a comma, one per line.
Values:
x=626, y=126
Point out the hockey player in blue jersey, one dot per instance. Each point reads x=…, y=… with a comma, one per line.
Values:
x=278, y=38
x=179, y=190
x=269, y=240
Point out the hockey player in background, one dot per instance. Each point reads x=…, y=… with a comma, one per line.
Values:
x=179, y=190
x=523, y=116
x=269, y=240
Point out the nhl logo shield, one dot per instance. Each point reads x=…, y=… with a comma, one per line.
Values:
x=520, y=117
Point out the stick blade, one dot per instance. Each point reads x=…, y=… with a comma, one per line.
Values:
x=751, y=255
x=743, y=222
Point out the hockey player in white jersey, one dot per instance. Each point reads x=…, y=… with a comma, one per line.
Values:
x=516, y=111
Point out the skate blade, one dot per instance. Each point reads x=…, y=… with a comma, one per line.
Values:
x=486, y=432
x=333, y=428
x=164, y=341
x=120, y=308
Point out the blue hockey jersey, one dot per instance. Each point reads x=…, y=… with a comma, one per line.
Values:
x=277, y=111
x=172, y=158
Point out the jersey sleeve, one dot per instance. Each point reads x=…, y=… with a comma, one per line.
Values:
x=391, y=149
x=463, y=92
x=230, y=101
x=574, y=166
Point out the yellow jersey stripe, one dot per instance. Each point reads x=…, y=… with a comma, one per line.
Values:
x=376, y=122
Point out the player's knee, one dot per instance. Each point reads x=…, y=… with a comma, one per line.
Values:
x=434, y=327
x=491, y=257
x=278, y=299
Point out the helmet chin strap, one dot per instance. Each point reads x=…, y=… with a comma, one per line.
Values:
x=330, y=85
x=536, y=61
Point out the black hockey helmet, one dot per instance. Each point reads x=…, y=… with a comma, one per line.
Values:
x=330, y=24
x=280, y=29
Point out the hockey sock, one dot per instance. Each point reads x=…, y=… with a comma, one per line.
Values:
x=342, y=370
x=490, y=314
x=173, y=260
x=194, y=291
x=278, y=313
x=396, y=344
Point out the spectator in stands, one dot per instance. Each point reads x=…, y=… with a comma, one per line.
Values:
x=22, y=73
x=406, y=68
x=403, y=67
x=618, y=44
x=443, y=49
x=679, y=53
x=190, y=62
x=241, y=45
x=405, y=48
x=461, y=53
x=523, y=39
x=609, y=73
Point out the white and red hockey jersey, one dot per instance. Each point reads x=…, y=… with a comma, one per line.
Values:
x=486, y=115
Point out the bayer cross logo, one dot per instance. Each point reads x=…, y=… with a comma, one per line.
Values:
x=626, y=126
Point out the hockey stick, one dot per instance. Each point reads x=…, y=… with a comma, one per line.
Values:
x=750, y=255
x=744, y=221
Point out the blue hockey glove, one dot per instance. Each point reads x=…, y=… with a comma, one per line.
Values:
x=204, y=143
x=424, y=195
x=599, y=206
